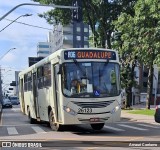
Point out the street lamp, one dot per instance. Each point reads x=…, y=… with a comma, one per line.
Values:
x=26, y=15
x=51, y=5
x=7, y=52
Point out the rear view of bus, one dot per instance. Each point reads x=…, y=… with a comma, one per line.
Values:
x=90, y=84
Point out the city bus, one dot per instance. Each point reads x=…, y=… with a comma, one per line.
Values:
x=71, y=87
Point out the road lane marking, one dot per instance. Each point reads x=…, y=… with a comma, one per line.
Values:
x=128, y=126
x=16, y=109
x=113, y=128
x=38, y=129
x=146, y=125
x=8, y=125
x=12, y=130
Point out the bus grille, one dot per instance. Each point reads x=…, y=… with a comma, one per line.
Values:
x=93, y=104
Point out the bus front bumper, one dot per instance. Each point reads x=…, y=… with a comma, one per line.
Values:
x=89, y=118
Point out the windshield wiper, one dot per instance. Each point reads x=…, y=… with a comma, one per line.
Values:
x=76, y=63
x=105, y=64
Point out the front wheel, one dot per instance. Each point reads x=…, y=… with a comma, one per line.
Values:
x=53, y=125
x=97, y=126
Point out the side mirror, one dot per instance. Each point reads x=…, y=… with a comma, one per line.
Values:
x=60, y=69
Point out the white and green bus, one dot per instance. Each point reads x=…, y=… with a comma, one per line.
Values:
x=73, y=86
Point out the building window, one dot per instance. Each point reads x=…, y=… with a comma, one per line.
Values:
x=78, y=29
x=43, y=52
x=78, y=38
x=43, y=46
x=85, y=29
x=85, y=38
x=85, y=46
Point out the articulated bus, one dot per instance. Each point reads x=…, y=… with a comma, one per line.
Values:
x=72, y=86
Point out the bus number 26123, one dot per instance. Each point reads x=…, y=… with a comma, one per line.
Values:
x=84, y=110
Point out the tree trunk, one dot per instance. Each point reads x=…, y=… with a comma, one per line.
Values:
x=128, y=97
x=150, y=87
x=109, y=40
x=129, y=89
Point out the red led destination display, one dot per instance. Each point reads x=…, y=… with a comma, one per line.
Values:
x=89, y=54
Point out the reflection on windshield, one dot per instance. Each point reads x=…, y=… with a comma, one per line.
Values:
x=91, y=79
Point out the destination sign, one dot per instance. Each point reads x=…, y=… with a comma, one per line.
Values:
x=89, y=54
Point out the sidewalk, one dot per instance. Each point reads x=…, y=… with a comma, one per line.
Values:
x=142, y=106
x=125, y=115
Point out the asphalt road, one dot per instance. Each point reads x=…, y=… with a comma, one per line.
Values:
x=14, y=126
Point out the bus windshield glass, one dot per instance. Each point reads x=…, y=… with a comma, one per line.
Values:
x=90, y=79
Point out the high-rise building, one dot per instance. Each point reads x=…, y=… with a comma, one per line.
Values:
x=76, y=35
x=56, y=37
x=71, y=36
x=44, y=49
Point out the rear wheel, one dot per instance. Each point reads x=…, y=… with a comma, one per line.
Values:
x=53, y=125
x=97, y=126
x=31, y=120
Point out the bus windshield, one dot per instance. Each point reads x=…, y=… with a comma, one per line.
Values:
x=90, y=79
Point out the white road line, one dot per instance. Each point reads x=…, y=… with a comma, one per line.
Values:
x=146, y=125
x=38, y=129
x=128, y=126
x=12, y=130
x=113, y=128
x=16, y=109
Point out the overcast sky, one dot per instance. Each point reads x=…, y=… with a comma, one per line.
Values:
x=23, y=38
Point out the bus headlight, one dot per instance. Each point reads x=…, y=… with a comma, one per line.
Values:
x=69, y=110
x=115, y=109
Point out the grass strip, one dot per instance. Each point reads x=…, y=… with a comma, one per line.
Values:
x=149, y=112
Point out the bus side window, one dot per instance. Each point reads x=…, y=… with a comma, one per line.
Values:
x=47, y=75
x=40, y=77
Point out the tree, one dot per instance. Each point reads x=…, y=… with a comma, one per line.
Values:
x=123, y=42
x=99, y=14
x=140, y=36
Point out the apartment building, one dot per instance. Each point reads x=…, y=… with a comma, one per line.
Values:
x=141, y=76
x=44, y=49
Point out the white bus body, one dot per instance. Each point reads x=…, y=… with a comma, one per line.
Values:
x=73, y=86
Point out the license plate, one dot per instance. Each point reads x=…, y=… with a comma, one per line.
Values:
x=84, y=110
x=94, y=119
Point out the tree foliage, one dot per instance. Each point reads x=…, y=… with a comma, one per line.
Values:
x=99, y=14
x=141, y=36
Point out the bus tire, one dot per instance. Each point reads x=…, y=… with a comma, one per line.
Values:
x=31, y=120
x=54, y=126
x=97, y=126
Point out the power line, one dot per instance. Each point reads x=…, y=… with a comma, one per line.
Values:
x=29, y=24
x=26, y=15
x=66, y=32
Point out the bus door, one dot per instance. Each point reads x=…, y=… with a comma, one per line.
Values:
x=35, y=94
x=57, y=94
x=22, y=96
